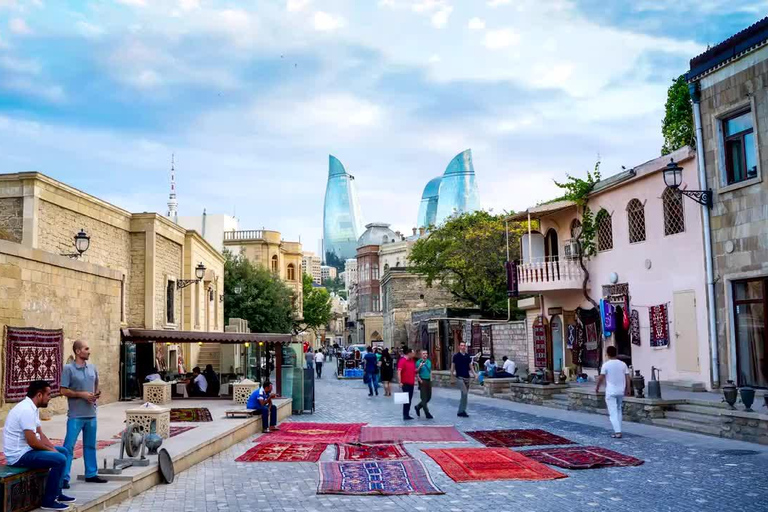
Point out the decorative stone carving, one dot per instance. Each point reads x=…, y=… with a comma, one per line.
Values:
x=143, y=415
x=242, y=390
x=157, y=392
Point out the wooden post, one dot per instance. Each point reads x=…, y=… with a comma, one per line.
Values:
x=279, y=368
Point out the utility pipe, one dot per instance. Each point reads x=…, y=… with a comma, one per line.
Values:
x=509, y=299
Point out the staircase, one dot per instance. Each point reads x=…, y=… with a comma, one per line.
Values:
x=699, y=419
x=210, y=353
x=557, y=401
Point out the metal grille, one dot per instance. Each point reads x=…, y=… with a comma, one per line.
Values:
x=636, y=221
x=604, y=231
x=674, y=218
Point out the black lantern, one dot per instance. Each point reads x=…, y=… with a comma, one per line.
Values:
x=199, y=274
x=200, y=271
x=673, y=178
x=82, y=243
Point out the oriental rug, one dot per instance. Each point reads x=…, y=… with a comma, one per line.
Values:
x=436, y=434
x=581, y=457
x=191, y=414
x=283, y=452
x=372, y=452
x=375, y=477
x=78, y=452
x=659, y=326
x=476, y=464
x=31, y=354
x=514, y=438
x=174, y=431
x=306, y=432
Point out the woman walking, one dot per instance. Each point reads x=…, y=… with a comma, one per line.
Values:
x=387, y=370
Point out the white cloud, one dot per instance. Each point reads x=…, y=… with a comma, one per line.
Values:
x=501, y=38
x=28, y=87
x=19, y=26
x=386, y=3
x=476, y=24
x=497, y=3
x=189, y=5
x=439, y=11
x=297, y=5
x=434, y=59
x=89, y=30
x=29, y=67
x=325, y=22
x=133, y=3
x=440, y=18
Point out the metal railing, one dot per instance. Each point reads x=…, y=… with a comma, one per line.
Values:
x=250, y=234
x=549, y=270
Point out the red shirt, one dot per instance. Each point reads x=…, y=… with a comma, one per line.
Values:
x=407, y=367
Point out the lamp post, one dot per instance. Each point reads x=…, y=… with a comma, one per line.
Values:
x=82, y=243
x=673, y=178
x=199, y=274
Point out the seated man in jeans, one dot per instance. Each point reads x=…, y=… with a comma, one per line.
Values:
x=26, y=446
x=261, y=401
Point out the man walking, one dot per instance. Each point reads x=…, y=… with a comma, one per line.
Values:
x=80, y=384
x=26, y=446
x=461, y=368
x=424, y=375
x=615, y=374
x=406, y=375
x=371, y=367
x=319, y=360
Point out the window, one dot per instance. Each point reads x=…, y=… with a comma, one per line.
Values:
x=375, y=271
x=636, y=221
x=750, y=304
x=739, y=146
x=170, y=295
x=674, y=218
x=275, y=267
x=604, y=225
x=291, y=272
x=375, y=303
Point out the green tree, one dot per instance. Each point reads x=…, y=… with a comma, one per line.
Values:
x=263, y=299
x=334, y=285
x=317, y=306
x=677, y=126
x=466, y=256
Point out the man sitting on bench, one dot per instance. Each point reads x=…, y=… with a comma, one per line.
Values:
x=261, y=402
x=26, y=446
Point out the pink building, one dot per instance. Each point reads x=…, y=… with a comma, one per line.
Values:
x=650, y=253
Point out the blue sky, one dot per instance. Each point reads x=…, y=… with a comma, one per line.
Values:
x=252, y=96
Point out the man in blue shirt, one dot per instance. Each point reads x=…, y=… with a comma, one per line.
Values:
x=371, y=369
x=261, y=402
x=461, y=368
x=424, y=375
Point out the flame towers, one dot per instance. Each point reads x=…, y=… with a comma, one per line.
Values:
x=455, y=192
x=342, y=221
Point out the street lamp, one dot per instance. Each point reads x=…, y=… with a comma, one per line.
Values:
x=82, y=243
x=238, y=290
x=673, y=178
x=199, y=274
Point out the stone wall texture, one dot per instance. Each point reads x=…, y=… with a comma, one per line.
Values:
x=11, y=218
x=167, y=265
x=135, y=284
x=511, y=340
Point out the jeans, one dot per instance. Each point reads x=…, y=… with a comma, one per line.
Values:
x=407, y=388
x=463, y=383
x=88, y=427
x=614, y=403
x=319, y=369
x=56, y=461
x=373, y=382
x=268, y=415
x=426, y=395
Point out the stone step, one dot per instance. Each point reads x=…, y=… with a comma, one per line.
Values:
x=693, y=417
x=556, y=404
x=687, y=426
x=686, y=385
x=714, y=410
x=707, y=403
x=559, y=398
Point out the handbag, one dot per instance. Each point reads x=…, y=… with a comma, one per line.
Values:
x=401, y=398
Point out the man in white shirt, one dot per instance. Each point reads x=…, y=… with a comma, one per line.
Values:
x=615, y=374
x=199, y=385
x=319, y=360
x=26, y=446
x=509, y=366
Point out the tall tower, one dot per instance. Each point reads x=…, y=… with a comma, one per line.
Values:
x=458, y=189
x=342, y=222
x=173, y=212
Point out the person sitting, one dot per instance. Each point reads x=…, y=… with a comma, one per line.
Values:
x=155, y=375
x=490, y=370
x=26, y=446
x=508, y=369
x=197, y=386
x=261, y=402
x=212, y=380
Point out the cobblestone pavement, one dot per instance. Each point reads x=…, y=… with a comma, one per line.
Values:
x=682, y=472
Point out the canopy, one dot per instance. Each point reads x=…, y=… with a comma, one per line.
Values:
x=150, y=335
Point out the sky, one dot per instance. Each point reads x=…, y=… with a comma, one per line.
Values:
x=251, y=96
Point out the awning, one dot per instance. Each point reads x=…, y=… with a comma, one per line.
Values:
x=537, y=212
x=150, y=335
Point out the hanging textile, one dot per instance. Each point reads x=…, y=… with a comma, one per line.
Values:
x=609, y=318
x=571, y=339
x=590, y=319
x=659, y=326
x=634, y=327
x=625, y=320
x=540, y=355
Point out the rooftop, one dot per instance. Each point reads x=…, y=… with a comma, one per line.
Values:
x=730, y=49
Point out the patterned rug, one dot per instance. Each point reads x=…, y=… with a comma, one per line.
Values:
x=196, y=415
x=31, y=354
x=78, y=448
x=372, y=452
x=375, y=477
x=174, y=431
x=475, y=464
x=306, y=432
x=581, y=457
x=283, y=452
x=521, y=437
x=436, y=434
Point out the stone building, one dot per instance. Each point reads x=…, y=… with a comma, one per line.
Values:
x=350, y=274
x=370, y=323
x=327, y=272
x=311, y=264
x=210, y=226
x=729, y=87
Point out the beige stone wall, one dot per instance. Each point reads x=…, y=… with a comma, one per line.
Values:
x=511, y=340
x=11, y=218
x=167, y=266
x=135, y=285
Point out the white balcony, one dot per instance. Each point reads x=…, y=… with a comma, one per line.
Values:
x=549, y=274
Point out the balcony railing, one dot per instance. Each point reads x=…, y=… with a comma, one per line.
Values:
x=249, y=234
x=549, y=273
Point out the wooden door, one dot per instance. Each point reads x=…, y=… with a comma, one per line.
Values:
x=685, y=333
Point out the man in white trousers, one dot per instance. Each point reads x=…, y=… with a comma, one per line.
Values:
x=615, y=374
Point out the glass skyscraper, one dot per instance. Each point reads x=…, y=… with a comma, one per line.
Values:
x=342, y=221
x=455, y=192
x=428, y=206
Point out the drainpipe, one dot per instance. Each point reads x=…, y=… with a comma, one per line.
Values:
x=509, y=299
x=695, y=92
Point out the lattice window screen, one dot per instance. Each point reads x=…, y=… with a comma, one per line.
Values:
x=674, y=217
x=636, y=221
x=604, y=231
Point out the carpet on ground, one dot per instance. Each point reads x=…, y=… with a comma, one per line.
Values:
x=283, y=452
x=581, y=457
x=436, y=434
x=307, y=432
x=477, y=464
x=31, y=354
x=174, y=431
x=517, y=437
x=372, y=452
x=191, y=414
x=388, y=477
x=78, y=453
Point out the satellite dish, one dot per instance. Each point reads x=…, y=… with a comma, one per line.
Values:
x=166, y=465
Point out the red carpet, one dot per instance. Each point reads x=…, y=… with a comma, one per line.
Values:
x=78, y=448
x=192, y=414
x=283, y=452
x=521, y=437
x=581, y=457
x=411, y=434
x=372, y=452
x=476, y=464
x=301, y=432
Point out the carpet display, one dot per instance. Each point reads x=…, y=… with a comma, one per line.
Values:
x=375, y=477
x=301, y=432
x=659, y=326
x=411, y=435
x=372, y=452
x=283, y=452
x=478, y=464
x=78, y=453
x=31, y=354
x=174, y=431
x=582, y=457
x=515, y=438
x=195, y=415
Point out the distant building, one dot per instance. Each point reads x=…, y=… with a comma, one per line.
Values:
x=311, y=264
x=370, y=327
x=350, y=273
x=453, y=193
x=210, y=227
x=428, y=206
x=327, y=272
x=342, y=220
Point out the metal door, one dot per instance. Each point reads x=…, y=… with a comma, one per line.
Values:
x=686, y=336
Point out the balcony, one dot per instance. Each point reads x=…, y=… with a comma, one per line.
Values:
x=549, y=274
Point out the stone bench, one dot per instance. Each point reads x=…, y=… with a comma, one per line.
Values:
x=641, y=410
x=240, y=413
x=535, y=394
x=21, y=489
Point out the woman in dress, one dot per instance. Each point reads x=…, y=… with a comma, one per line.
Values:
x=386, y=371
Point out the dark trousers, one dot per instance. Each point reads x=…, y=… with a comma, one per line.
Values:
x=426, y=395
x=268, y=415
x=407, y=388
x=55, y=461
x=319, y=370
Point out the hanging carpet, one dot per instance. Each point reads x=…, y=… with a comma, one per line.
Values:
x=376, y=477
x=372, y=452
x=476, y=464
x=581, y=457
x=634, y=327
x=514, y=438
x=283, y=452
x=31, y=354
x=659, y=326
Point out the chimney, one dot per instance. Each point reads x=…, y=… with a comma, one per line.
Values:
x=414, y=231
x=421, y=231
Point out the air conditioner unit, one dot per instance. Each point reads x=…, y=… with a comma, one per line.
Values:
x=571, y=249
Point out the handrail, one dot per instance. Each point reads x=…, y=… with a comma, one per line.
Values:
x=249, y=234
x=549, y=270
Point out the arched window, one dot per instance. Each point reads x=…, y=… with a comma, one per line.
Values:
x=636, y=221
x=604, y=225
x=274, y=264
x=674, y=218
x=575, y=228
x=291, y=272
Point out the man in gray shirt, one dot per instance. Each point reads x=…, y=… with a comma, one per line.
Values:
x=80, y=384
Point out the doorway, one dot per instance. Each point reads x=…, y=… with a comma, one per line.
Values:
x=552, y=254
x=686, y=331
x=558, y=353
x=621, y=338
x=750, y=304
